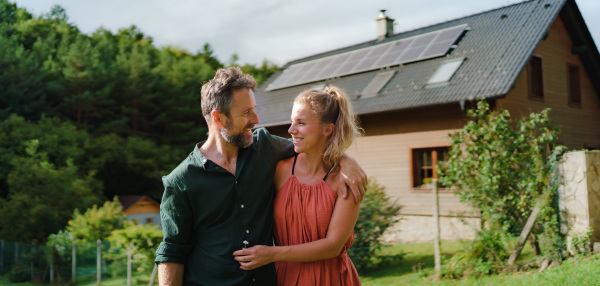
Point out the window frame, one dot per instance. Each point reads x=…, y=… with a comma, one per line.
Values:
x=573, y=81
x=415, y=168
x=535, y=77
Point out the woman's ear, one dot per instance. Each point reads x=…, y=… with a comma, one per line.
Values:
x=329, y=127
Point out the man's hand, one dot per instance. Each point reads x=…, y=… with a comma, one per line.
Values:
x=353, y=177
x=254, y=257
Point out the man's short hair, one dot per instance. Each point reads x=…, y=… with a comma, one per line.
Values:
x=217, y=93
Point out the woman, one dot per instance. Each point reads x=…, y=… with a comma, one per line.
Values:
x=313, y=227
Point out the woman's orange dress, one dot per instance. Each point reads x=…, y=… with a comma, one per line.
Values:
x=302, y=214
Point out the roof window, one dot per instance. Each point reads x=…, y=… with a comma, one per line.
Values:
x=445, y=72
x=376, y=84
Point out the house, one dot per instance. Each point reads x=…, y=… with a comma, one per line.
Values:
x=411, y=89
x=141, y=209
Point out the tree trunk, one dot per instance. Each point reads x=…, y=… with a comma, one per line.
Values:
x=535, y=245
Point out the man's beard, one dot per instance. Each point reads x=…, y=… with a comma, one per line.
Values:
x=238, y=140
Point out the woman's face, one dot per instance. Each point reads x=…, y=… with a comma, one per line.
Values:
x=308, y=134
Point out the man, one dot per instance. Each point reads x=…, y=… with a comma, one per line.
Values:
x=219, y=199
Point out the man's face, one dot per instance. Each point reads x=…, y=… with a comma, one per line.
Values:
x=237, y=127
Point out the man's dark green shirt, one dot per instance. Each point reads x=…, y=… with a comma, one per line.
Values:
x=207, y=213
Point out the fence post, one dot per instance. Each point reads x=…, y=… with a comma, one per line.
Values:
x=129, y=250
x=154, y=270
x=16, y=252
x=1, y=257
x=51, y=266
x=436, y=238
x=98, y=261
x=32, y=251
x=73, y=264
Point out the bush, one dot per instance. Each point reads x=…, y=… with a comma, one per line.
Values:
x=17, y=274
x=377, y=213
x=483, y=256
x=141, y=240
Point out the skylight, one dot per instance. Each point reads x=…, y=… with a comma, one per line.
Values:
x=380, y=80
x=445, y=72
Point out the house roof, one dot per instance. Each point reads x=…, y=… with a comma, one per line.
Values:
x=496, y=47
x=128, y=201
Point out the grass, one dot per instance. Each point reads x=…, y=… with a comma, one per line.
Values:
x=573, y=271
x=417, y=256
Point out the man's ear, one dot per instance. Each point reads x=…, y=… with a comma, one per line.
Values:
x=215, y=115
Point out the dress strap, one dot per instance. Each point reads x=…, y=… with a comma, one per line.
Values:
x=294, y=166
x=325, y=178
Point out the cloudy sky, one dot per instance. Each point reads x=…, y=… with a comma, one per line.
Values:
x=276, y=30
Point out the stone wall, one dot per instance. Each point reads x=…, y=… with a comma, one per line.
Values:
x=421, y=229
x=580, y=193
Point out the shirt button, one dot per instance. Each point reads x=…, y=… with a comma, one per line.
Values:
x=242, y=206
x=253, y=279
x=247, y=231
x=236, y=182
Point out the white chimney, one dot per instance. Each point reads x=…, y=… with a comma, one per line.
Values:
x=385, y=26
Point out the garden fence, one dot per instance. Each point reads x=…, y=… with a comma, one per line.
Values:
x=88, y=263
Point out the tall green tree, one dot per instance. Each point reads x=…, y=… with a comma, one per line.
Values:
x=42, y=196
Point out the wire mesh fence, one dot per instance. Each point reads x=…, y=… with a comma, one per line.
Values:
x=89, y=263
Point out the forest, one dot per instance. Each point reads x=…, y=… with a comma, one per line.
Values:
x=86, y=117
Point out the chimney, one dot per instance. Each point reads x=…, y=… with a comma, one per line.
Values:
x=385, y=26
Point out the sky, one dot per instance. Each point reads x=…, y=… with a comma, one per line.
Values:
x=275, y=30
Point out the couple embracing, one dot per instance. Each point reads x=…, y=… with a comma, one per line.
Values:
x=250, y=208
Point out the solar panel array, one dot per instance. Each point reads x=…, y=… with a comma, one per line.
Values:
x=416, y=48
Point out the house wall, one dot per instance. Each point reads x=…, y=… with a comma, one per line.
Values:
x=580, y=125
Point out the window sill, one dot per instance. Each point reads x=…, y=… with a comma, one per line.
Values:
x=536, y=98
x=428, y=189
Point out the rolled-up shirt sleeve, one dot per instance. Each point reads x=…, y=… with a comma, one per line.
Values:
x=177, y=223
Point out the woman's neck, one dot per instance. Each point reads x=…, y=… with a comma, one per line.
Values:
x=312, y=164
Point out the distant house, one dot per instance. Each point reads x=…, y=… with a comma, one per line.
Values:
x=142, y=209
x=411, y=89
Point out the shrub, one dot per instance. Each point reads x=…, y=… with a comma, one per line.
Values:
x=141, y=239
x=377, y=213
x=504, y=168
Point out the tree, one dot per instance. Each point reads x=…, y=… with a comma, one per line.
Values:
x=503, y=168
x=41, y=196
x=97, y=223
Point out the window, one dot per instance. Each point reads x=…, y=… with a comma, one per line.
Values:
x=376, y=84
x=445, y=72
x=149, y=220
x=536, y=83
x=573, y=81
x=425, y=162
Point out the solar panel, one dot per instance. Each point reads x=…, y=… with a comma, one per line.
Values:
x=442, y=42
x=393, y=52
x=331, y=66
x=413, y=51
x=346, y=67
x=368, y=62
x=416, y=48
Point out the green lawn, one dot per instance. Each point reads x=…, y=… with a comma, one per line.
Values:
x=574, y=271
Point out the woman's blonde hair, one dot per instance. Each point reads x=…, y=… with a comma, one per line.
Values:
x=331, y=105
